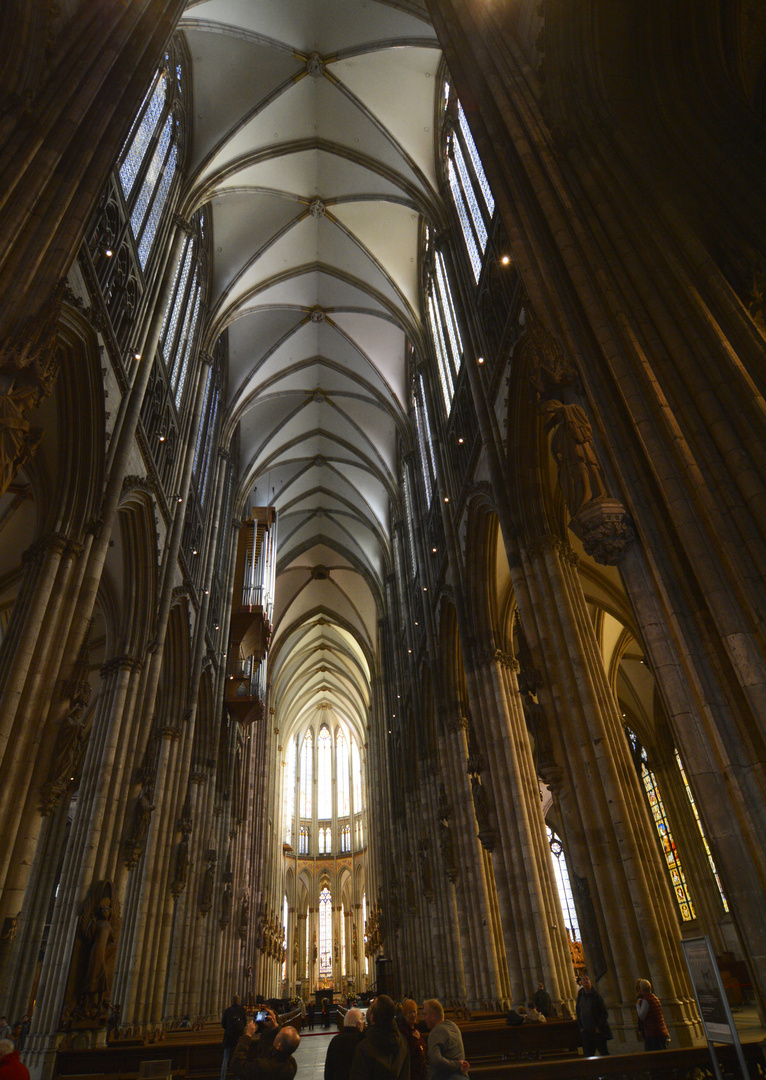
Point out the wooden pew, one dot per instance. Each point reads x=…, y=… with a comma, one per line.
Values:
x=674, y=1064
x=485, y=1041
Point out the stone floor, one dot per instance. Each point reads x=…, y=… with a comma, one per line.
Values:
x=311, y=1053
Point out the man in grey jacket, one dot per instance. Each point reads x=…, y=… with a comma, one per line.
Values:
x=446, y=1056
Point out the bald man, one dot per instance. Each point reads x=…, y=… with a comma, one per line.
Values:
x=276, y=1047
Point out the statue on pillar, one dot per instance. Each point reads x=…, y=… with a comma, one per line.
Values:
x=226, y=899
x=208, y=880
x=487, y=834
x=87, y=999
x=181, y=875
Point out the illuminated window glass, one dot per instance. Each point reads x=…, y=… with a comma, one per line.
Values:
x=306, y=777
x=343, y=938
x=408, y=519
x=284, y=940
x=325, y=934
x=466, y=220
x=187, y=344
x=564, y=886
x=425, y=441
x=155, y=186
x=356, y=775
x=473, y=153
x=690, y=796
x=150, y=115
x=341, y=765
x=324, y=773
x=157, y=206
x=304, y=838
x=289, y=798
x=654, y=798
x=445, y=331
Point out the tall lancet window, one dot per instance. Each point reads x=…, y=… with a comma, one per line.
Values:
x=657, y=808
x=425, y=440
x=182, y=313
x=307, y=775
x=150, y=157
x=564, y=886
x=443, y=322
x=469, y=188
x=325, y=934
x=289, y=795
x=356, y=776
x=324, y=773
x=341, y=766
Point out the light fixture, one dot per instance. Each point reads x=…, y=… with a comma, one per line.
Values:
x=108, y=253
x=480, y=360
x=446, y=499
x=194, y=551
x=460, y=439
x=433, y=549
x=425, y=589
x=136, y=355
x=161, y=436
x=179, y=497
x=505, y=260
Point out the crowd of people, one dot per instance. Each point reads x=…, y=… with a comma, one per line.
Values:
x=390, y=1044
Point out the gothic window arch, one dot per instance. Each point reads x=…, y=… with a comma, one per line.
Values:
x=408, y=520
x=306, y=774
x=356, y=776
x=150, y=157
x=442, y=320
x=181, y=319
x=425, y=439
x=468, y=186
x=648, y=780
x=325, y=934
x=342, y=772
x=693, y=804
x=324, y=773
x=289, y=793
x=207, y=435
x=561, y=873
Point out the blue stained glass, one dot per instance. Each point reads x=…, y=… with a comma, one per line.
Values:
x=150, y=229
x=203, y=420
x=450, y=318
x=153, y=174
x=422, y=445
x=445, y=375
x=470, y=197
x=408, y=522
x=209, y=442
x=131, y=165
x=476, y=160
x=168, y=341
x=465, y=224
x=188, y=347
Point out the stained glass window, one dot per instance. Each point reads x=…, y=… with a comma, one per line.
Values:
x=307, y=755
x=341, y=765
x=657, y=808
x=459, y=199
x=425, y=442
x=324, y=773
x=149, y=116
x=442, y=317
x=325, y=934
x=408, y=519
x=356, y=775
x=289, y=796
x=473, y=153
x=561, y=873
x=345, y=838
x=303, y=840
x=690, y=796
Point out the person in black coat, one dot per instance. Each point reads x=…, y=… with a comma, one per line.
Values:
x=340, y=1052
x=592, y=1019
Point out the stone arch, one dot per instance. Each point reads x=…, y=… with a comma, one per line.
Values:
x=132, y=565
x=451, y=654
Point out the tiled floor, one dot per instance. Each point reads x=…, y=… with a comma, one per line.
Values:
x=311, y=1053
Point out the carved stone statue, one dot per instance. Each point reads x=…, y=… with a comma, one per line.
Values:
x=226, y=899
x=206, y=891
x=447, y=846
x=181, y=876
x=580, y=474
x=487, y=833
x=90, y=983
x=537, y=725
x=66, y=753
x=244, y=915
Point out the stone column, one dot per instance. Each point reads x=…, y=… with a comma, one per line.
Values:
x=621, y=885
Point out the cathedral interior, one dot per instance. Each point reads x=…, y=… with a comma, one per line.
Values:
x=382, y=503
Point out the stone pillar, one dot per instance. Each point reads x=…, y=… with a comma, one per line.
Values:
x=625, y=910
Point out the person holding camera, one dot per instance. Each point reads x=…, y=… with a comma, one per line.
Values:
x=233, y=1023
x=276, y=1046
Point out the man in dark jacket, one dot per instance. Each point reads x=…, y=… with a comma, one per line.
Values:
x=275, y=1059
x=382, y=1054
x=592, y=1019
x=11, y=1067
x=340, y=1052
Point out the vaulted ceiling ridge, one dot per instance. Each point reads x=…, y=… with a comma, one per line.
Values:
x=375, y=584
x=282, y=634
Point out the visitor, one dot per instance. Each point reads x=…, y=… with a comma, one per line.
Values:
x=382, y=1054
x=592, y=1019
x=276, y=1047
x=542, y=1000
x=651, y=1021
x=407, y=1021
x=340, y=1052
x=233, y=1023
x=11, y=1066
x=446, y=1056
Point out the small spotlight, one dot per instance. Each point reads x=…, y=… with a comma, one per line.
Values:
x=194, y=551
x=162, y=436
x=505, y=260
x=136, y=355
x=480, y=360
x=460, y=440
x=108, y=253
x=434, y=550
x=425, y=589
x=446, y=499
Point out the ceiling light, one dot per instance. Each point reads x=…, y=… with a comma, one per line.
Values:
x=505, y=260
x=425, y=589
x=434, y=550
x=480, y=360
x=108, y=253
x=446, y=499
x=460, y=439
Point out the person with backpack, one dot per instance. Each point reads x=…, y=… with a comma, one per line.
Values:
x=233, y=1023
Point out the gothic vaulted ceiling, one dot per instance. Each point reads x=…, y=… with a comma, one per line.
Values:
x=313, y=148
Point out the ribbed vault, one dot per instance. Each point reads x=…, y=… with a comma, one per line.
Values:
x=313, y=149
